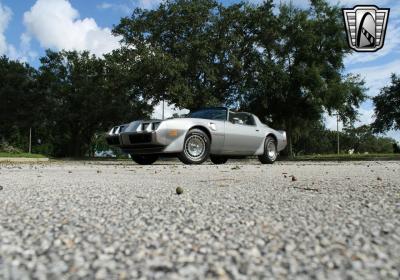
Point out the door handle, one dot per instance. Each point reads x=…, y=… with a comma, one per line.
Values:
x=257, y=130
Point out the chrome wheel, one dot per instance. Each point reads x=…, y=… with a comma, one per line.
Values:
x=195, y=147
x=271, y=150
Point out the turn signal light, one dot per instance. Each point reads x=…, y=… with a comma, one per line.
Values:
x=173, y=133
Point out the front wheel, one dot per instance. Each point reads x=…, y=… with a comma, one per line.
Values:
x=144, y=159
x=270, y=151
x=196, y=147
x=218, y=159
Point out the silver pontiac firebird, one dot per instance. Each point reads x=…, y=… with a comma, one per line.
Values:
x=218, y=133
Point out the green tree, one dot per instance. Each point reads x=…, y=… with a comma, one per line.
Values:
x=319, y=140
x=387, y=107
x=21, y=103
x=362, y=139
x=316, y=139
x=300, y=74
x=192, y=53
x=84, y=95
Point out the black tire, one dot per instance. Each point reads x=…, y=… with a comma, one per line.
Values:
x=196, y=147
x=144, y=159
x=218, y=159
x=270, y=151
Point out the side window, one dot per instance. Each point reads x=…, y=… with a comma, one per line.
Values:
x=249, y=120
x=235, y=118
x=241, y=118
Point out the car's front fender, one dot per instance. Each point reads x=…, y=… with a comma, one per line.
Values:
x=175, y=131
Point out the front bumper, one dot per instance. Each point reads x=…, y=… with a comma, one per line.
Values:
x=137, y=142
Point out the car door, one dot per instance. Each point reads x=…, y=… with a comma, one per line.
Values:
x=242, y=136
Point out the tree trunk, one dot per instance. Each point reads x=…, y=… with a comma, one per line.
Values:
x=290, y=144
x=290, y=141
x=76, y=147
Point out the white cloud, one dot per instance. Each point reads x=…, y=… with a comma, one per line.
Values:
x=122, y=8
x=5, y=17
x=376, y=77
x=366, y=116
x=169, y=110
x=56, y=24
x=351, y=3
x=148, y=4
x=23, y=53
x=25, y=47
x=132, y=4
x=345, y=3
x=105, y=5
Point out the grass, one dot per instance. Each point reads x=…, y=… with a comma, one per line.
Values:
x=21, y=155
x=347, y=157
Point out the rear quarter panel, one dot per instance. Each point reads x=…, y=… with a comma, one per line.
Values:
x=266, y=130
x=281, y=139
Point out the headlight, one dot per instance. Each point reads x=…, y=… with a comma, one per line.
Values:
x=111, y=131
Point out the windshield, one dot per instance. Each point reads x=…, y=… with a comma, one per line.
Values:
x=210, y=114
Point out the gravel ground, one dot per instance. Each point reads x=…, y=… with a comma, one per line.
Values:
x=242, y=220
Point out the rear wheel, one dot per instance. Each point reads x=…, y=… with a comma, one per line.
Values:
x=270, y=151
x=218, y=159
x=144, y=159
x=196, y=147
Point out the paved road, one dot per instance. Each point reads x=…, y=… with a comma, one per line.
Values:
x=242, y=220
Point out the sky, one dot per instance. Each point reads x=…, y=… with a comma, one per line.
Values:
x=29, y=27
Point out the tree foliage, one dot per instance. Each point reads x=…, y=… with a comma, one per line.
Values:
x=387, y=107
x=86, y=95
x=319, y=140
x=19, y=109
x=190, y=51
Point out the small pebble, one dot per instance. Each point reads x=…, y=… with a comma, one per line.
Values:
x=179, y=190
